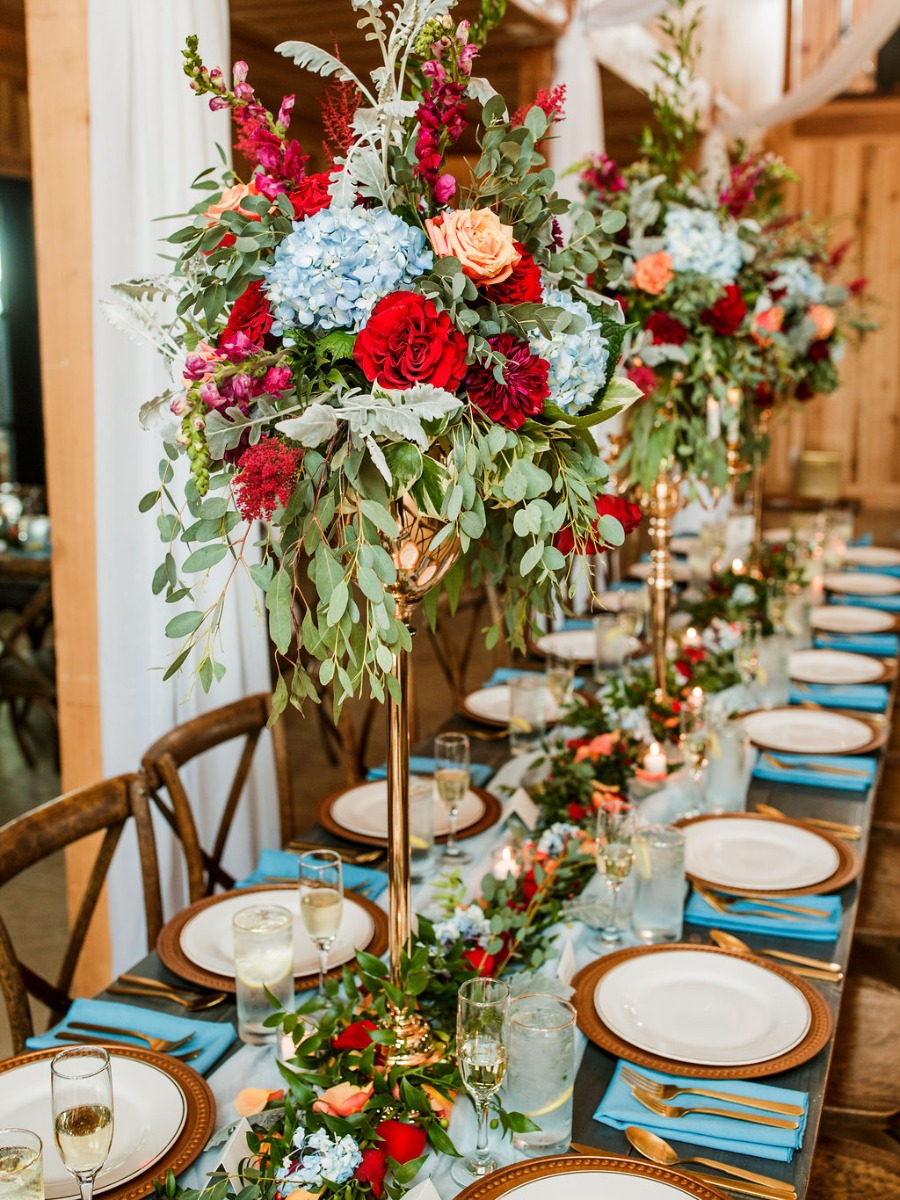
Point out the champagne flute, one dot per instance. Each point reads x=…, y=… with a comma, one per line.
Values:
x=746, y=656
x=615, y=857
x=482, y=1053
x=451, y=778
x=82, y=1106
x=693, y=741
x=321, y=901
x=560, y=679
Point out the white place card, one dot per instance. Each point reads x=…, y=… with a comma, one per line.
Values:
x=524, y=808
x=235, y=1151
x=567, y=964
x=423, y=1191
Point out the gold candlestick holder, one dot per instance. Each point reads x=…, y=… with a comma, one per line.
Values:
x=661, y=504
x=758, y=480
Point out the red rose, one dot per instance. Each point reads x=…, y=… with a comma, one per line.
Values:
x=804, y=390
x=819, y=352
x=480, y=961
x=522, y=287
x=407, y=341
x=627, y=514
x=250, y=315
x=764, y=396
x=666, y=330
x=402, y=1142
x=310, y=195
x=644, y=378
x=529, y=885
x=355, y=1037
x=577, y=812
x=372, y=1169
x=694, y=654
x=524, y=388
x=726, y=314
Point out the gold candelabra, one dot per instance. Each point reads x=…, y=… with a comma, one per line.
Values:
x=661, y=503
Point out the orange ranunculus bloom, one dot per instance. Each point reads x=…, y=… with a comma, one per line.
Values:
x=479, y=239
x=600, y=745
x=824, y=320
x=769, y=320
x=653, y=272
x=231, y=201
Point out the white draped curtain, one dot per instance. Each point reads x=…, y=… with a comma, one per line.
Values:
x=150, y=136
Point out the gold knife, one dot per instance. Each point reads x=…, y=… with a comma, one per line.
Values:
x=773, y=1191
x=83, y=1039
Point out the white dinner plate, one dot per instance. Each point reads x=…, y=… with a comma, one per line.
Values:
x=150, y=1112
x=680, y=571
x=626, y=599
x=859, y=583
x=758, y=856
x=364, y=810
x=833, y=666
x=591, y=1185
x=686, y=545
x=207, y=938
x=709, y=1010
x=777, y=535
x=492, y=704
x=848, y=618
x=574, y=644
x=806, y=731
x=872, y=556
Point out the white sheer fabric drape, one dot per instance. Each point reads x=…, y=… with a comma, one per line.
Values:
x=581, y=133
x=150, y=136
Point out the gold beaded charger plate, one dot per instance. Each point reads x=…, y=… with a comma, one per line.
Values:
x=838, y=667
x=360, y=813
x=164, y=1115
x=586, y=1178
x=797, y=730
x=750, y=854
x=848, y=618
x=196, y=943
x=491, y=705
x=674, y=993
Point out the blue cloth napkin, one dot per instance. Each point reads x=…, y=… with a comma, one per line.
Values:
x=887, y=603
x=864, y=539
x=212, y=1036
x=479, y=773
x=801, y=768
x=505, y=674
x=870, y=697
x=367, y=882
x=859, y=643
x=871, y=570
x=812, y=929
x=619, y=1109
x=574, y=623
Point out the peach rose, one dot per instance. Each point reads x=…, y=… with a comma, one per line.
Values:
x=600, y=745
x=824, y=320
x=478, y=238
x=441, y=1105
x=250, y=1101
x=232, y=199
x=653, y=272
x=769, y=320
x=343, y=1099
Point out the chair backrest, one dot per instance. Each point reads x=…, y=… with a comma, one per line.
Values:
x=105, y=808
x=161, y=765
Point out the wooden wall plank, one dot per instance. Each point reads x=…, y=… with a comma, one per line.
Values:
x=57, y=34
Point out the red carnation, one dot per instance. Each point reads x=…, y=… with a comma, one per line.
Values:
x=643, y=378
x=726, y=314
x=372, y=1169
x=355, y=1037
x=265, y=478
x=250, y=315
x=407, y=341
x=402, y=1142
x=627, y=514
x=310, y=195
x=523, y=390
x=522, y=287
x=666, y=329
x=577, y=812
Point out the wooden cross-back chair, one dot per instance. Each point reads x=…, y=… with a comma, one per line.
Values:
x=28, y=671
x=161, y=765
x=105, y=808
x=455, y=638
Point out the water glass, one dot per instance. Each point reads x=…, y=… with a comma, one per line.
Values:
x=81, y=1098
x=772, y=676
x=421, y=828
x=693, y=743
x=527, y=713
x=611, y=646
x=263, y=960
x=798, y=618
x=541, y=1076
x=659, y=883
x=560, y=680
x=451, y=781
x=482, y=1054
x=21, y=1165
x=728, y=768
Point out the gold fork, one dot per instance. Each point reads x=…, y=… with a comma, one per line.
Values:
x=779, y=908
x=678, y=1110
x=805, y=765
x=87, y=1039
x=667, y=1091
x=849, y=833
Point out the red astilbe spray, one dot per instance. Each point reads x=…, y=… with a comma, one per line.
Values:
x=266, y=476
x=552, y=102
x=338, y=103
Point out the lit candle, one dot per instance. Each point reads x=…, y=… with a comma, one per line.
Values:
x=692, y=639
x=713, y=417
x=737, y=567
x=655, y=762
x=696, y=699
x=505, y=863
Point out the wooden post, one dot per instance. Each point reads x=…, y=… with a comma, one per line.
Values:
x=59, y=101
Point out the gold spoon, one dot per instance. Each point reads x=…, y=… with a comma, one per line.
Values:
x=659, y=1151
x=849, y=833
x=814, y=968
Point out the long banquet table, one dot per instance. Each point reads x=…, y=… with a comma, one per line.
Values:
x=597, y=1065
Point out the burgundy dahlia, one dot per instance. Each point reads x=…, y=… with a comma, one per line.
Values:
x=666, y=329
x=524, y=388
x=726, y=314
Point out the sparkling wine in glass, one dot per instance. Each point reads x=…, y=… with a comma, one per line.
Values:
x=746, y=656
x=321, y=901
x=482, y=1054
x=82, y=1103
x=451, y=778
x=615, y=857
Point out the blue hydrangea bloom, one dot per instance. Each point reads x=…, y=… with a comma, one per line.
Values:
x=696, y=241
x=331, y=271
x=554, y=840
x=799, y=280
x=466, y=925
x=578, y=361
x=319, y=1157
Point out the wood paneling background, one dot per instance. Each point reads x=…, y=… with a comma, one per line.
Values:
x=847, y=156
x=15, y=155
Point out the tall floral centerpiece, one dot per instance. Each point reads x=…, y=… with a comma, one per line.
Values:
x=396, y=371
